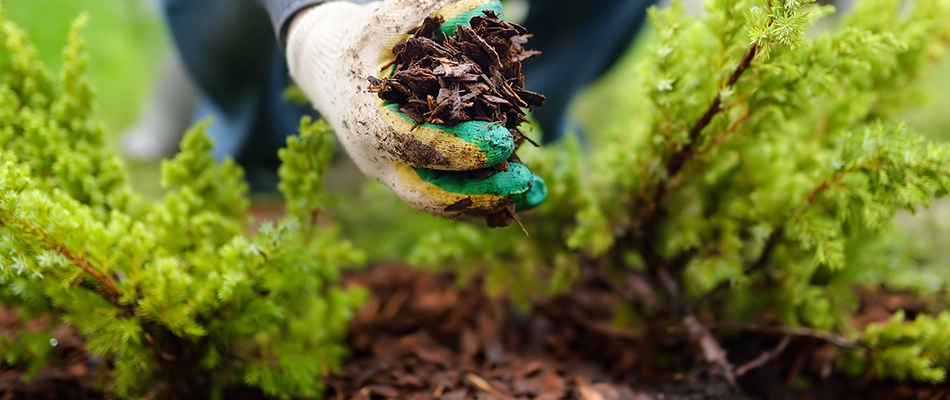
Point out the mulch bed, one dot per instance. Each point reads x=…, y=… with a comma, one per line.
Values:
x=423, y=337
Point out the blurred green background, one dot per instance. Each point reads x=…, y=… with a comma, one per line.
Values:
x=126, y=41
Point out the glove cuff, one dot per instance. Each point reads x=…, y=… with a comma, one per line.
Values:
x=316, y=46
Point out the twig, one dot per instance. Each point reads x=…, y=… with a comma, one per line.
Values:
x=818, y=189
x=725, y=134
x=765, y=357
x=80, y=262
x=84, y=265
x=515, y=217
x=713, y=352
x=784, y=330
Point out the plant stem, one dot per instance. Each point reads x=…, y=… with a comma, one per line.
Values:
x=814, y=193
x=78, y=261
x=765, y=357
x=795, y=332
x=650, y=211
x=712, y=351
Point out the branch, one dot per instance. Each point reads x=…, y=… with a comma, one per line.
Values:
x=745, y=117
x=765, y=357
x=788, y=331
x=648, y=222
x=818, y=189
x=713, y=352
x=650, y=210
x=80, y=262
x=681, y=157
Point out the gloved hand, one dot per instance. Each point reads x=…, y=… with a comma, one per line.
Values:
x=334, y=47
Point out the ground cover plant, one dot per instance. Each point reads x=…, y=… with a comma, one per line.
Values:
x=751, y=199
x=173, y=297
x=733, y=237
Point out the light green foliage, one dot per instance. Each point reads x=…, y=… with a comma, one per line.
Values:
x=175, y=293
x=764, y=155
x=905, y=350
x=304, y=165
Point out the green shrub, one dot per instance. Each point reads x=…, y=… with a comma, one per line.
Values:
x=175, y=295
x=759, y=176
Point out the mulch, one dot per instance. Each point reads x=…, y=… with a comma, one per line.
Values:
x=421, y=336
x=473, y=75
x=69, y=375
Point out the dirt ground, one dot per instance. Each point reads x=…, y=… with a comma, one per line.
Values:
x=423, y=337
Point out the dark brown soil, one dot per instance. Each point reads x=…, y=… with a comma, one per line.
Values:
x=423, y=337
x=69, y=376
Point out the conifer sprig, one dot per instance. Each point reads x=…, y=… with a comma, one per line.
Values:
x=757, y=177
x=174, y=296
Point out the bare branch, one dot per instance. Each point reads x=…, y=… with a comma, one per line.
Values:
x=765, y=357
x=713, y=352
x=788, y=331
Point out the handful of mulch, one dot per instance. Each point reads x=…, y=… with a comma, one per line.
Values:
x=474, y=75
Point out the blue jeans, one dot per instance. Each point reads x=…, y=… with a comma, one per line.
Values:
x=229, y=49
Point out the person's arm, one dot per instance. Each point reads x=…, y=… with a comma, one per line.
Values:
x=282, y=12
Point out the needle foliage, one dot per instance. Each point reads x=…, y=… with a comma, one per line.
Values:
x=755, y=178
x=174, y=296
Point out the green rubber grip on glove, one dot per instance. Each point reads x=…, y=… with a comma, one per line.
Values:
x=451, y=24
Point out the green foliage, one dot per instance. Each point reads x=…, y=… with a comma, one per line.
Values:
x=919, y=349
x=175, y=294
x=304, y=165
x=762, y=168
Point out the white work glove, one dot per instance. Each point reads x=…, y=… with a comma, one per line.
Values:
x=334, y=47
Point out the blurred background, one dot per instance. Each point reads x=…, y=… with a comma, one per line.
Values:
x=130, y=53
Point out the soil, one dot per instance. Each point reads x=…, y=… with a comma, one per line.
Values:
x=421, y=336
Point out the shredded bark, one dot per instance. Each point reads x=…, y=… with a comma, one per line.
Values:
x=474, y=75
x=423, y=336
